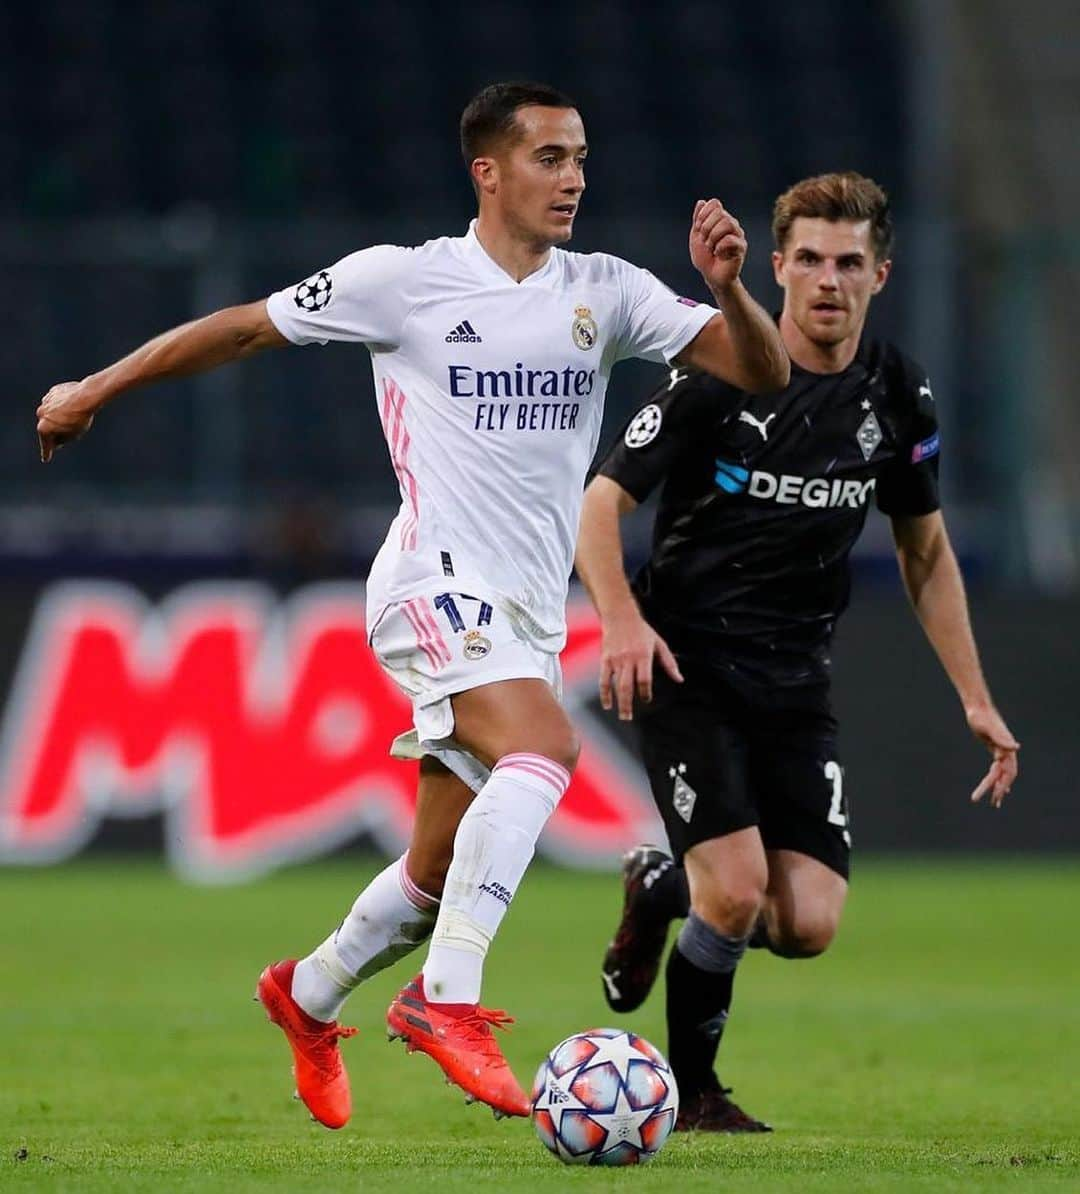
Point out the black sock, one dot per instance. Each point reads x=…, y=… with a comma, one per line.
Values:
x=669, y=894
x=698, y=1002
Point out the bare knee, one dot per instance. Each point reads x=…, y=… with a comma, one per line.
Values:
x=728, y=879
x=802, y=936
x=564, y=749
x=731, y=909
x=553, y=741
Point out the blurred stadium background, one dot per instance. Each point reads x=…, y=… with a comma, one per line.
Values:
x=159, y=161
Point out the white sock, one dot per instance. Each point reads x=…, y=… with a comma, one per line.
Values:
x=389, y=919
x=493, y=846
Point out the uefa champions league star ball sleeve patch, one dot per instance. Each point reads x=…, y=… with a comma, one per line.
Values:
x=644, y=426
x=314, y=293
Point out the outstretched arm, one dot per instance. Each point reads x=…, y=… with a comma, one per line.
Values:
x=935, y=586
x=629, y=642
x=68, y=409
x=742, y=346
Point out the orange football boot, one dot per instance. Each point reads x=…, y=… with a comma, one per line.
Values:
x=458, y=1036
x=321, y=1080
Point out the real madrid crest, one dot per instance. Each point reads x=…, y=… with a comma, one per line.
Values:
x=584, y=330
x=475, y=645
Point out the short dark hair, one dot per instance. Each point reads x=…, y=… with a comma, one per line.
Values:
x=833, y=197
x=489, y=115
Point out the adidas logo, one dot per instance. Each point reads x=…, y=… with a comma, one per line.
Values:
x=464, y=333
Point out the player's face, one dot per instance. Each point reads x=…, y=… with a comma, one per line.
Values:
x=829, y=275
x=537, y=180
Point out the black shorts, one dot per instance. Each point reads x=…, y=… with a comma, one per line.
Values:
x=722, y=757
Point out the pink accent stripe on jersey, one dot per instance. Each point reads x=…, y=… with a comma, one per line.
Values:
x=427, y=618
x=401, y=454
x=422, y=636
x=397, y=439
x=392, y=431
x=539, y=765
x=419, y=899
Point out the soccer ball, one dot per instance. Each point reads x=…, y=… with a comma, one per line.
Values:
x=604, y=1097
x=314, y=293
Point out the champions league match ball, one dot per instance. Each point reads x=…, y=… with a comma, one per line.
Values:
x=604, y=1097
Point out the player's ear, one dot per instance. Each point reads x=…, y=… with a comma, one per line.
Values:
x=778, y=267
x=485, y=175
x=881, y=275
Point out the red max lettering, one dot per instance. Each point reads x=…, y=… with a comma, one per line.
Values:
x=260, y=731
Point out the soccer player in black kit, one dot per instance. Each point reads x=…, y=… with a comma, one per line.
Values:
x=761, y=503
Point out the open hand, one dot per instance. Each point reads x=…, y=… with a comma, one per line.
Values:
x=627, y=652
x=987, y=725
x=64, y=414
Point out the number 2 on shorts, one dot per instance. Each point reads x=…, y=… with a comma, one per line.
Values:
x=837, y=813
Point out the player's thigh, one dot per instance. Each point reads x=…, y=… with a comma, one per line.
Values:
x=799, y=788
x=441, y=801
x=728, y=877
x=804, y=902
x=511, y=717
x=477, y=681
x=695, y=756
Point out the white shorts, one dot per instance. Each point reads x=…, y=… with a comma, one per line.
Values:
x=438, y=643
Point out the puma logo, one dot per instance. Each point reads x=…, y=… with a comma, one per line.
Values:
x=746, y=417
x=926, y=392
x=676, y=377
x=614, y=994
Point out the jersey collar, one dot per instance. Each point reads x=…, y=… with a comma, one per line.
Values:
x=489, y=268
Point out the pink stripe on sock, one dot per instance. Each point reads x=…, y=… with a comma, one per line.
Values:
x=553, y=771
x=558, y=789
x=419, y=899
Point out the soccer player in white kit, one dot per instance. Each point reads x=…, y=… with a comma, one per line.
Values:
x=491, y=353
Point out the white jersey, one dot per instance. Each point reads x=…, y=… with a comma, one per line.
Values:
x=491, y=395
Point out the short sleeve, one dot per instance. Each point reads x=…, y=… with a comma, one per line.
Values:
x=670, y=420
x=657, y=324
x=908, y=485
x=361, y=299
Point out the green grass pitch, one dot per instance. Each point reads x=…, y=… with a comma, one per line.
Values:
x=935, y=1048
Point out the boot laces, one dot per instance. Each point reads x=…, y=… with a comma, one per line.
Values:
x=477, y=1026
x=322, y=1049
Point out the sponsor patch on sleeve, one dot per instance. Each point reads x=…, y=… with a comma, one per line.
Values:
x=926, y=449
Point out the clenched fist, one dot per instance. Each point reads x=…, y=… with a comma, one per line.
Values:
x=717, y=244
x=64, y=414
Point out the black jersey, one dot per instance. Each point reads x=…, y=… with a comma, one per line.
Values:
x=763, y=498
